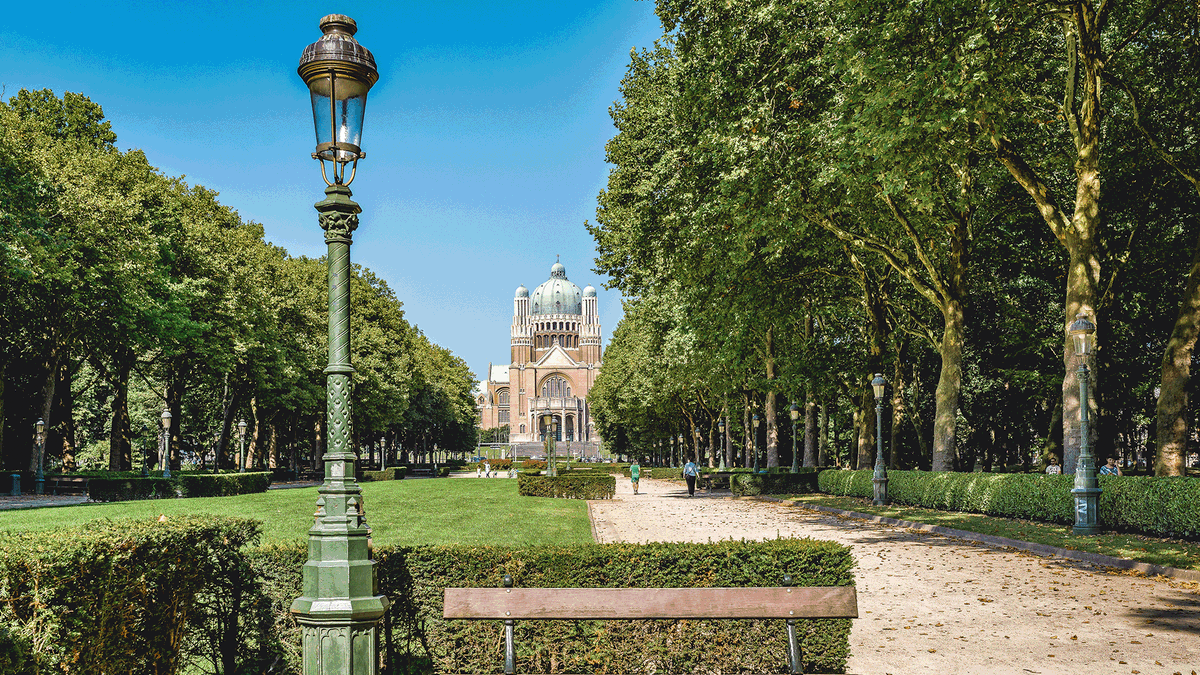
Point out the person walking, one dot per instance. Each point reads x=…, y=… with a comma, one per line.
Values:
x=690, y=472
x=487, y=469
x=635, y=472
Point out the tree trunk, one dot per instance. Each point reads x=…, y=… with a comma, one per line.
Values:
x=769, y=404
x=3, y=417
x=899, y=413
x=810, y=427
x=252, y=450
x=1171, y=412
x=949, y=387
x=866, y=431
x=175, y=378
x=60, y=439
x=748, y=446
x=120, y=457
x=823, y=443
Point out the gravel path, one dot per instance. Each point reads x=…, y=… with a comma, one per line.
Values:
x=931, y=604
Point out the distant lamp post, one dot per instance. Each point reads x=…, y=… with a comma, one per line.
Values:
x=679, y=444
x=696, y=434
x=724, y=442
x=1087, y=487
x=383, y=453
x=339, y=607
x=794, y=412
x=880, y=479
x=241, y=446
x=754, y=423
x=164, y=448
x=145, y=451
x=39, y=481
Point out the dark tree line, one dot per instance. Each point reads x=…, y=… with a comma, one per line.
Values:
x=808, y=193
x=127, y=292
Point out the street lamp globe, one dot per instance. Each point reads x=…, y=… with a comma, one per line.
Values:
x=878, y=385
x=1083, y=333
x=794, y=412
x=39, y=426
x=338, y=72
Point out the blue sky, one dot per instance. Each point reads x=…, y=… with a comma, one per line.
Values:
x=484, y=136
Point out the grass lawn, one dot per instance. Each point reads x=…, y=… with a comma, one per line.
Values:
x=441, y=511
x=1172, y=552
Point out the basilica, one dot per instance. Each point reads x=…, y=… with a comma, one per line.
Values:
x=555, y=358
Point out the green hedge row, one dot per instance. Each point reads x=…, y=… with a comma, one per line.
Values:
x=419, y=641
x=390, y=473
x=570, y=485
x=751, y=484
x=1164, y=507
x=131, y=596
x=103, y=489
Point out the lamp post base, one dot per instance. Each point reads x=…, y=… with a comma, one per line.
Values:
x=1087, y=516
x=881, y=495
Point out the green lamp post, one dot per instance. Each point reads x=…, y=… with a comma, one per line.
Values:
x=696, y=435
x=794, y=412
x=679, y=445
x=242, y=446
x=724, y=442
x=1087, y=487
x=754, y=423
x=880, y=479
x=164, y=447
x=39, y=480
x=339, y=607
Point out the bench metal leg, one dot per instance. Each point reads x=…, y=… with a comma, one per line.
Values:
x=793, y=648
x=510, y=653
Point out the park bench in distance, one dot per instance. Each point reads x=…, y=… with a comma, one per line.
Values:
x=784, y=602
x=66, y=485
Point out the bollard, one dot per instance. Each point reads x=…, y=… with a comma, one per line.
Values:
x=16, y=485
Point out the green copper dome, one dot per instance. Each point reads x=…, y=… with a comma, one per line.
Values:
x=556, y=295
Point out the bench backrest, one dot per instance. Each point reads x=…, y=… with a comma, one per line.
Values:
x=810, y=602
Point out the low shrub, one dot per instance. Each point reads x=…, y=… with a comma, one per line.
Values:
x=222, y=484
x=535, y=464
x=390, y=473
x=420, y=641
x=128, y=596
x=750, y=484
x=1162, y=507
x=128, y=489
x=571, y=485
x=105, y=489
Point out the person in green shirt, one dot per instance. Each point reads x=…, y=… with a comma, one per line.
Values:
x=635, y=472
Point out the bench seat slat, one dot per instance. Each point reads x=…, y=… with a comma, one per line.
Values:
x=811, y=602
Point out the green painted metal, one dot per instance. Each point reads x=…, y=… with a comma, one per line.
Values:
x=1087, y=486
x=340, y=606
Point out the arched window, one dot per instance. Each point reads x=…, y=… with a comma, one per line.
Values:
x=502, y=397
x=522, y=428
x=556, y=386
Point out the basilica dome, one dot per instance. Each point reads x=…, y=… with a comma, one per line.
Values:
x=556, y=295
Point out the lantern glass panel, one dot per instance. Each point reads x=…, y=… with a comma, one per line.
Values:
x=348, y=109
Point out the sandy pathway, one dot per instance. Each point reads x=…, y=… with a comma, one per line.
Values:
x=930, y=604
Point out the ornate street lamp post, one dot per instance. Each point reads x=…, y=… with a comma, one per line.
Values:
x=340, y=606
x=724, y=442
x=794, y=412
x=164, y=446
x=679, y=445
x=39, y=481
x=880, y=479
x=696, y=435
x=241, y=445
x=1087, y=487
x=754, y=423
x=145, y=452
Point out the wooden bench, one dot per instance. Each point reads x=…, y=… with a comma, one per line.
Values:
x=509, y=604
x=66, y=485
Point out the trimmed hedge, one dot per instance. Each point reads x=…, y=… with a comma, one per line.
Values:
x=572, y=485
x=496, y=464
x=535, y=464
x=418, y=640
x=390, y=473
x=129, y=596
x=1164, y=507
x=104, y=489
x=750, y=484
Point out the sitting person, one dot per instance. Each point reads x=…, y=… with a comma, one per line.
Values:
x=1053, y=468
x=1111, y=468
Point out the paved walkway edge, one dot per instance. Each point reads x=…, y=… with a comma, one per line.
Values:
x=1040, y=549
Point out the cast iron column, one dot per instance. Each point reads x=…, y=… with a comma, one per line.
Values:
x=340, y=606
x=1087, y=487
